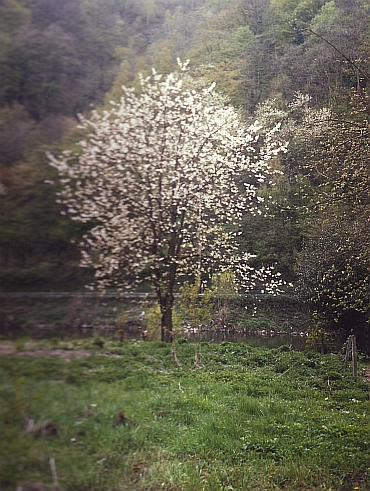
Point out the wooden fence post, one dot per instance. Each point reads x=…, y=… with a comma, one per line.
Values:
x=351, y=351
x=354, y=356
x=348, y=351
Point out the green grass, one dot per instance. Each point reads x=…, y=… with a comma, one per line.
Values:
x=249, y=419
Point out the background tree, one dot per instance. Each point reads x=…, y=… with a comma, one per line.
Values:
x=327, y=163
x=333, y=274
x=157, y=178
x=58, y=58
x=287, y=205
x=334, y=264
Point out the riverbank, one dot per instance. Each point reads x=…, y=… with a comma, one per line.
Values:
x=59, y=313
x=266, y=321
x=138, y=416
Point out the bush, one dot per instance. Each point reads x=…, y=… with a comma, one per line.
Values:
x=98, y=342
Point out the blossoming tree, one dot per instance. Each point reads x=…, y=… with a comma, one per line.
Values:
x=164, y=177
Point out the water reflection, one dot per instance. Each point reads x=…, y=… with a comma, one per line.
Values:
x=255, y=339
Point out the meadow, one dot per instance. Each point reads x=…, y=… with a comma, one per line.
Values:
x=95, y=415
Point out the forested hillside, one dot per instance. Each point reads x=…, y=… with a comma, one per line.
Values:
x=301, y=63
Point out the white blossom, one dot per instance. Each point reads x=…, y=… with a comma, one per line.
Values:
x=158, y=175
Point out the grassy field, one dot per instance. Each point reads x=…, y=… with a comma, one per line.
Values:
x=125, y=417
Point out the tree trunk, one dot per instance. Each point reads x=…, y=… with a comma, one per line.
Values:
x=166, y=321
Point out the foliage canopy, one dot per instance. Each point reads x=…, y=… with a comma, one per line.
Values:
x=157, y=179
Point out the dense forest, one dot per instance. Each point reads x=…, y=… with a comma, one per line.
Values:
x=301, y=63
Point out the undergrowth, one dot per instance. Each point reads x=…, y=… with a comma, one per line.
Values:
x=127, y=418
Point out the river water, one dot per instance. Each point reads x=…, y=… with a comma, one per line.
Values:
x=256, y=339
